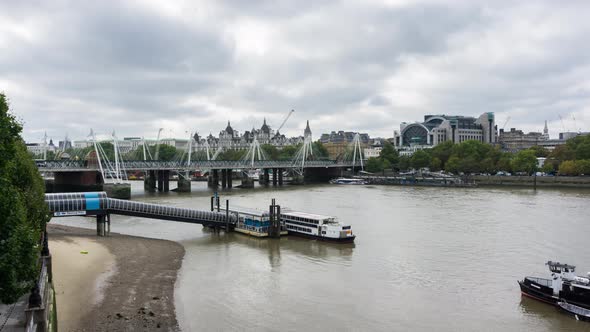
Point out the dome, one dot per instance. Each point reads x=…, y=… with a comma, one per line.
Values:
x=229, y=129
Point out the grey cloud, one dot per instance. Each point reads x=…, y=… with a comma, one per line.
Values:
x=124, y=66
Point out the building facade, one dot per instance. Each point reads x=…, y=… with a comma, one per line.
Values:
x=436, y=129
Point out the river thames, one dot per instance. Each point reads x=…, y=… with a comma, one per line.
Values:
x=425, y=259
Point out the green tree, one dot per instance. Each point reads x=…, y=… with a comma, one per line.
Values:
x=568, y=167
x=420, y=159
x=374, y=165
x=389, y=153
x=288, y=152
x=504, y=162
x=453, y=165
x=270, y=151
x=22, y=207
x=319, y=150
x=403, y=163
x=524, y=161
x=583, y=167
x=539, y=151
x=165, y=153
x=547, y=167
x=443, y=152
x=435, y=164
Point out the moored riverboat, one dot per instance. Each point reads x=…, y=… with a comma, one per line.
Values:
x=316, y=226
x=348, y=181
x=562, y=286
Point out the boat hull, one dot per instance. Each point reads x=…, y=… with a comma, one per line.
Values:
x=536, y=294
x=349, y=239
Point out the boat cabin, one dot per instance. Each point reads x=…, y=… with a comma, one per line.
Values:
x=557, y=267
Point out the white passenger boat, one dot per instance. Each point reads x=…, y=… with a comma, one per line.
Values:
x=316, y=226
x=348, y=181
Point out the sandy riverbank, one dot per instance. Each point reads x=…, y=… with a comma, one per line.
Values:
x=122, y=283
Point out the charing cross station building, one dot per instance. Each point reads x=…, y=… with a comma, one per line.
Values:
x=436, y=129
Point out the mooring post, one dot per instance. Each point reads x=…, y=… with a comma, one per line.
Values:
x=227, y=215
x=108, y=222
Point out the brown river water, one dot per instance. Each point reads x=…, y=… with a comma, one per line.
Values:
x=425, y=259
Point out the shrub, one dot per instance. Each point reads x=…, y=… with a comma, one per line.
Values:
x=23, y=212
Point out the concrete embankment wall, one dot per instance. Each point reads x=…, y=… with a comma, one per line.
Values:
x=528, y=181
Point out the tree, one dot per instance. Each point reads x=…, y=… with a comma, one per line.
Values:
x=270, y=151
x=504, y=162
x=547, y=168
x=403, y=163
x=443, y=152
x=166, y=152
x=420, y=159
x=374, y=165
x=435, y=164
x=524, y=161
x=583, y=167
x=568, y=167
x=539, y=151
x=319, y=150
x=389, y=153
x=22, y=207
x=452, y=165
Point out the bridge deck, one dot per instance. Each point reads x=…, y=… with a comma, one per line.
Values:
x=81, y=165
x=71, y=204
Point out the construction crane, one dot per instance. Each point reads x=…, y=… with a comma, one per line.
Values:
x=562, y=126
x=576, y=124
x=284, y=121
x=505, y=123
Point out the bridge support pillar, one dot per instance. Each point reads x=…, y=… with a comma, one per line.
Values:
x=265, y=177
x=166, y=180
x=274, y=176
x=184, y=185
x=223, y=178
x=149, y=181
x=213, y=180
x=160, y=180
x=229, y=178
x=280, y=170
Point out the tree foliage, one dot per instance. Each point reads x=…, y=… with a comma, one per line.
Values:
x=22, y=209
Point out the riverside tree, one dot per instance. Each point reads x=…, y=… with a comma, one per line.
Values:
x=23, y=212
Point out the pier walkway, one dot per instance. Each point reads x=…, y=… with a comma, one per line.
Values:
x=98, y=204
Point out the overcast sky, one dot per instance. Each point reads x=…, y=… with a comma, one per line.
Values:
x=136, y=66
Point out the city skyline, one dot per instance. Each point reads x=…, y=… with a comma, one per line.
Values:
x=136, y=67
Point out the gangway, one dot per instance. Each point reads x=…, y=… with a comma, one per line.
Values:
x=98, y=204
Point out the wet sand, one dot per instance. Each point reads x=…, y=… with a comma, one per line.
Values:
x=123, y=283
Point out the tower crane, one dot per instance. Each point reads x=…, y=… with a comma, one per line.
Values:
x=562, y=126
x=505, y=122
x=284, y=121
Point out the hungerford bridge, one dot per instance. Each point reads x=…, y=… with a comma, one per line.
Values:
x=95, y=174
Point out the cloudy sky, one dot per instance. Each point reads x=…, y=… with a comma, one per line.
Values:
x=136, y=66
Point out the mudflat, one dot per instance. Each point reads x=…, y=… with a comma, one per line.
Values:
x=114, y=283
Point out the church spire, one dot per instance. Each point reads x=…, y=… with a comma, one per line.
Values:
x=546, y=130
x=307, y=131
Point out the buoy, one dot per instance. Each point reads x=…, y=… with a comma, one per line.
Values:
x=84, y=252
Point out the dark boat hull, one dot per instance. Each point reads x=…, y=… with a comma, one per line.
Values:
x=542, y=294
x=537, y=294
